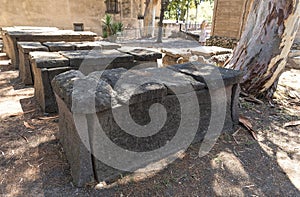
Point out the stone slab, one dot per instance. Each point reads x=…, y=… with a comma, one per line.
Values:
x=27, y=47
x=79, y=157
x=294, y=62
x=294, y=53
x=42, y=87
x=43, y=59
x=25, y=71
x=176, y=83
x=13, y=35
x=177, y=53
x=108, y=45
x=208, y=51
x=88, y=61
x=149, y=86
x=87, y=45
x=59, y=46
x=141, y=54
x=213, y=76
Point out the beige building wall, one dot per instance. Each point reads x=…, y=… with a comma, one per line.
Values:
x=63, y=13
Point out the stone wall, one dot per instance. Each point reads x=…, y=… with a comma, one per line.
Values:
x=222, y=42
x=63, y=14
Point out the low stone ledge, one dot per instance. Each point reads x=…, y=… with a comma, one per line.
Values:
x=25, y=71
x=48, y=59
x=59, y=46
x=46, y=65
x=92, y=60
x=85, y=102
x=141, y=54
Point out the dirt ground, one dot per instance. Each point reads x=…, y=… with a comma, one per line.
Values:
x=32, y=161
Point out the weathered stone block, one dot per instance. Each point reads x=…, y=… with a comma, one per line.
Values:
x=109, y=45
x=45, y=65
x=59, y=46
x=95, y=60
x=48, y=59
x=141, y=54
x=87, y=45
x=25, y=72
x=16, y=34
x=123, y=117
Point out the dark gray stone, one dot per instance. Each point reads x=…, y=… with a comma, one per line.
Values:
x=59, y=46
x=48, y=59
x=25, y=72
x=215, y=77
x=94, y=99
x=42, y=87
x=96, y=60
x=87, y=45
x=141, y=54
x=173, y=81
x=108, y=45
x=16, y=34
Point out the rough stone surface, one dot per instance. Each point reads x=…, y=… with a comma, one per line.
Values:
x=88, y=61
x=59, y=46
x=13, y=35
x=97, y=95
x=42, y=87
x=294, y=62
x=212, y=76
x=209, y=51
x=225, y=42
x=24, y=60
x=48, y=59
x=109, y=45
x=141, y=54
x=87, y=45
x=294, y=53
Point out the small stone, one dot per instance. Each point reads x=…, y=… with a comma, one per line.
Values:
x=101, y=185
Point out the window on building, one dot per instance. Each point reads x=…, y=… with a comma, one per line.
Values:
x=112, y=6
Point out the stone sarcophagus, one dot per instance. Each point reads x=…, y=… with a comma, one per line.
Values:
x=12, y=35
x=46, y=65
x=25, y=48
x=117, y=121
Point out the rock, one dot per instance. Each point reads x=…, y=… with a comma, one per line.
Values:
x=294, y=53
x=141, y=54
x=48, y=59
x=210, y=75
x=209, y=51
x=220, y=60
x=88, y=61
x=25, y=69
x=45, y=66
x=87, y=45
x=225, y=42
x=101, y=185
x=145, y=128
x=294, y=62
x=59, y=46
x=108, y=45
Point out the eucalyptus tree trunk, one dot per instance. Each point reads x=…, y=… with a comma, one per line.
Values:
x=149, y=17
x=265, y=43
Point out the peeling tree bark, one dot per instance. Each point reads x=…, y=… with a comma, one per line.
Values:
x=264, y=46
